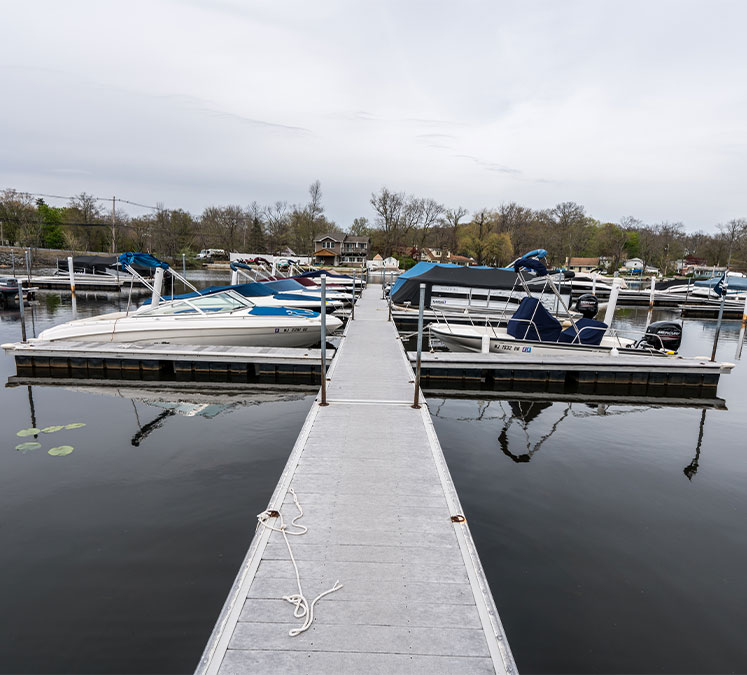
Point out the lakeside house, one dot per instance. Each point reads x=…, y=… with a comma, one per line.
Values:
x=581, y=264
x=341, y=249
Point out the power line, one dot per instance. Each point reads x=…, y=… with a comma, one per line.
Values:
x=98, y=199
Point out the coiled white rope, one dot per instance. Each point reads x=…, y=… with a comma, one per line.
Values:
x=303, y=609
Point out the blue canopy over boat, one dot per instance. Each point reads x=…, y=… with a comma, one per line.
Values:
x=142, y=259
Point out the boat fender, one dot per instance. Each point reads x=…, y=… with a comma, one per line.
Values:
x=614, y=352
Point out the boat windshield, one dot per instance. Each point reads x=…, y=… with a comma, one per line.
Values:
x=224, y=302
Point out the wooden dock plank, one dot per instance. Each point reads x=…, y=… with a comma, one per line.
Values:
x=378, y=502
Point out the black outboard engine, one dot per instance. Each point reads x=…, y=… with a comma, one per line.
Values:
x=663, y=335
x=588, y=305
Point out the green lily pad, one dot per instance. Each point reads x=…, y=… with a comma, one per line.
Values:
x=61, y=450
x=30, y=445
x=28, y=432
x=52, y=429
x=75, y=425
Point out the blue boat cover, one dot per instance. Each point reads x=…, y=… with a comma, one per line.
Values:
x=142, y=259
x=531, y=321
x=318, y=273
x=590, y=332
x=532, y=264
x=281, y=285
x=283, y=311
x=423, y=267
x=717, y=284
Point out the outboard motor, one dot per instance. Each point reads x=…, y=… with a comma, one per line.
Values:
x=588, y=305
x=663, y=335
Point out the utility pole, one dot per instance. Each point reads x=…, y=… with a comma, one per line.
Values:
x=114, y=226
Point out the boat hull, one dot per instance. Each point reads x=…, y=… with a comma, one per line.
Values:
x=231, y=331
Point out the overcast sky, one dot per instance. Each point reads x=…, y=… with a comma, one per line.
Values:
x=629, y=108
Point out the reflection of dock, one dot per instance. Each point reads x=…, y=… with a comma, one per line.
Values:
x=384, y=519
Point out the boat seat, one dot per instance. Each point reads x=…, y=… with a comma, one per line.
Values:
x=532, y=321
x=585, y=332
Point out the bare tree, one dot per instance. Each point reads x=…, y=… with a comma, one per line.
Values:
x=453, y=218
x=389, y=206
x=431, y=214
x=278, y=224
x=732, y=234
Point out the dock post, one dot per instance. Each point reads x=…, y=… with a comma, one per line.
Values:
x=352, y=310
x=612, y=303
x=421, y=307
x=389, y=299
x=593, y=283
x=13, y=264
x=19, y=284
x=184, y=265
x=718, y=323
x=155, y=297
x=323, y=317
x=740, y=341
x=28, y=265
x=651, y=301
x=71, y=273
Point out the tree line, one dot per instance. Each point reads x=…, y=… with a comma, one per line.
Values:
x=398, y=224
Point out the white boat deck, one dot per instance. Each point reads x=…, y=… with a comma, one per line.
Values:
x=378, y=501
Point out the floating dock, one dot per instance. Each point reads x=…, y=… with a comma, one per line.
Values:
x=673, y=377
x=383, y=519
x=164, y=363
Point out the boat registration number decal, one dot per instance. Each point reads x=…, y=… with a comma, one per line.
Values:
x=291, y=330
x=514, y=348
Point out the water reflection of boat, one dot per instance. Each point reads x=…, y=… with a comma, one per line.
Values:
x=522, y=413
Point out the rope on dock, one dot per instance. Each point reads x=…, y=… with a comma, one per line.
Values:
x=302, y=606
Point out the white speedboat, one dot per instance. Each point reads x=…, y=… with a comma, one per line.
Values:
x=534, y=331
x=224, y=318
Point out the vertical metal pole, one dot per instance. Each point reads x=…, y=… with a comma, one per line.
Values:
x=352, y=310
x=741, y=330
x=114, y=225
x=13, y=263
x=651, y=301
x=184, y=265
x=19, y=284
x=421, y=307
x=593, y=283
x=71, y=273
x=389, y=299
x=28, y=265
x=718, y=324
x=323, y=317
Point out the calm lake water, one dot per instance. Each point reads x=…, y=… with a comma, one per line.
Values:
x=613, y=536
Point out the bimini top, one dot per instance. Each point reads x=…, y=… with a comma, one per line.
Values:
x=142, y=259
x=453, y=275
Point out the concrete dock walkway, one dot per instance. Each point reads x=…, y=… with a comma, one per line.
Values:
x=378, y=503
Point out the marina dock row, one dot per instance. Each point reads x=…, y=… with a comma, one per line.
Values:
x=383, y=520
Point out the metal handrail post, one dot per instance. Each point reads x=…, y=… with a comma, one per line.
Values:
x=19, y=285
x=352, y=311
x=718, y=322
x=416, y=401
x=323, y=317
